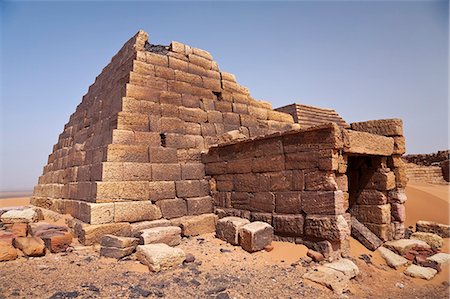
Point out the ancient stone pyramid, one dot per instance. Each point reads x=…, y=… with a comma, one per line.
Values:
x=131, y=151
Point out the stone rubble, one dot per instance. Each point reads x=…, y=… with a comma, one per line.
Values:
x=170, y=235
x=435, y=241
x=255, y=236
x=159, y=256
x=392, y=259
x=420, y=272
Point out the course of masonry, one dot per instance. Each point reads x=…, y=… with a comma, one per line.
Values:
x=163, y=133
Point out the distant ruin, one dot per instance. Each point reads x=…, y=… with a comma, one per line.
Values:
x=163, y=133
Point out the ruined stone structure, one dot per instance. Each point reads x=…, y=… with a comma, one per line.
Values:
x=136, y=149
x=431, y=168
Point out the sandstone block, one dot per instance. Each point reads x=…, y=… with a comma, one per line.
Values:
x=91, y=234
x=227, y=229
x=288, y=225
x=166, y=172
x=170, y=235
x=118, y=242
x=381, y=181
x=138, y=226
x=364, y=235
x=96, y=213
x=160, y=256
x=161, y=190
x=398, y=212
x=264, y=217
x=199, y=205
x=30, y=246
x=7, y=252
x=192, y=171
x=115, y=252
x=127, y=153
x=21, y=216
x=320, y=181
x=402, y=246
x=385, y=127
x=332, y=228
x=323, y=202
x=57, y=241
x=136, y=211
x=420, y=272
x=172, y=208
x=288, y=202
x=192, y=188
x=346, y=266
x=379, y=214
x=369, y=144
x=255, y=236
x=431, y=239
x=440, y=258
x=281, y=181
x=328, y=277
x=19, y=229
x=392, y=259
x=371, y=197
x=268, y=163
x=397, y=195
x=382, y=231
x=196, y=225
x=439, y=229
x=163, y=155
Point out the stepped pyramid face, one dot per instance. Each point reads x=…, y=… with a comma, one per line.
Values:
x=131, y=151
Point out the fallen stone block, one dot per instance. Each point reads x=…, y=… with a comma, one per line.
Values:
x=431, y=239
x=403, y=246
x=442, y=230
x=25, y=216
x=422, y=260
x=330, y=278
x=227, y=229
x=115, y=252
x=196, y=225
x=7, y=252
x=364, y=235
x=420, y=272
x=392, y=259
x=440, y=258
x=37, y=229
x=91, y=234
x=57, y=241
x=6, y=237
x=30, y=246
x=118, y=242
x=160, y=256
x=255, y=236
x=345, y=266
x=315, y=255
x=19, y=229
x=170, y=235
x=138, y=226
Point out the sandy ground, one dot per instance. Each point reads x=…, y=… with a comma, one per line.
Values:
x=222, y=270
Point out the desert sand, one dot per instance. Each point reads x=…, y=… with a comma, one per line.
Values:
x=230, y=270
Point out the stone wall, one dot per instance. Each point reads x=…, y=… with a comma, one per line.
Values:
x=425, y=167
x=131, y=151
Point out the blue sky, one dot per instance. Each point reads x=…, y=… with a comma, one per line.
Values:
x=368, y=60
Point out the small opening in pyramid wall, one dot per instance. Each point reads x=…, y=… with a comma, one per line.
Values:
x=163, y=139
x=158, y=49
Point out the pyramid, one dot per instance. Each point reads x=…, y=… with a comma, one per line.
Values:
x=131, y=150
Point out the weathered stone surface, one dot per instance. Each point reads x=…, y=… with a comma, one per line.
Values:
x=382, y=231
x=442, y=230
x=332, y=228
x=320, y=181
x=96, y=213
x=420, y=272
x=91, y=234
x=118, y=242
x=227, y=229
x=371, y=197
x=397, y=195
x=323, y=202
x=369, y=144
x=136, y=211
x=57, y=241
x=346, y=266
x=6, y=237
x=402, y=246
x=25, y=216
x=115, y=252
x=30, y=246
x=385, y=127
x=172, y=208
x=196, y=225
x=431, y=239
x=440, y=258
x=7, y=252
x=379, y=214
x=332, y=279
x=255, y=236
x=381, y=181
x=392, y=259
x=19, y=229
x=37, y=229
x=170, y=235
x=364, y=235
x=159, y=256
x=288, y=225
x=398, y=212
x=138, y=226
x=315, y=255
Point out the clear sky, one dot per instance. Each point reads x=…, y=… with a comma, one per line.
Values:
x=368, y=60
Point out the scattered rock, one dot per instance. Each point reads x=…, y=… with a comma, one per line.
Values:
x=442, y=230
x=399, y=285
x=365, y=236
x=141, y=225
x=346, y=266
x=190, y=258
x=315, y=256
x=115, y=252
x=7, y=252
x=170, y=235
x=19, y=229
x=64, y=295
x=227, y=229
x=269, y=248
x=140, y=291
x=431, y=239
x=196, y=225
x=255, y=236
x=332, y=279
x=26, y=215
x=392, y=259
x=118, y=242
x=223, y=295
x=402, y=246
x=57, y=241
x=160, y=256
x=223, y=250
x=420, y=272
x=30, y=246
